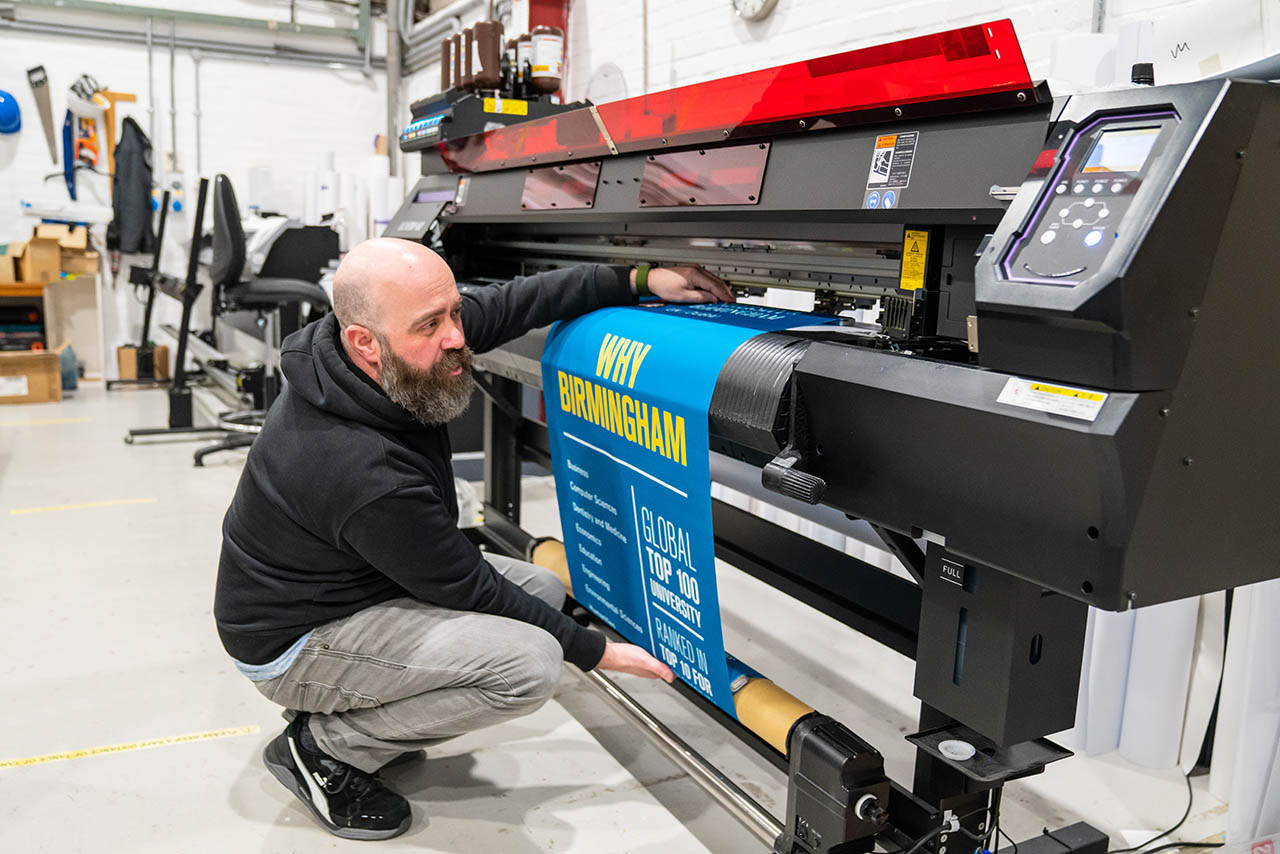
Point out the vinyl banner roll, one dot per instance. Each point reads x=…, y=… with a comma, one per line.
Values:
x=627, y=392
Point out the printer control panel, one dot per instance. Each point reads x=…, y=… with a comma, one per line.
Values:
x=1080, y=215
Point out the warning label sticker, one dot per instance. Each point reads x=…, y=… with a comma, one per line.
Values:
x=890, y=171
x=1072, y=402
x=914, y=244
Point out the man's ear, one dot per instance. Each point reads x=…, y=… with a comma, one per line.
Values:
x=361, y=342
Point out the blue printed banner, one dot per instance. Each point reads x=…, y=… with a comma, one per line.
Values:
x=627, y=392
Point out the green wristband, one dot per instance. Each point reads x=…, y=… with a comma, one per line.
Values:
x=642, y=280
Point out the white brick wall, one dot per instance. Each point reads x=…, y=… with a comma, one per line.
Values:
x=280, y=116
x=695, y=40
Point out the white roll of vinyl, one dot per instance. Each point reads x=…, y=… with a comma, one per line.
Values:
x=1159, y=674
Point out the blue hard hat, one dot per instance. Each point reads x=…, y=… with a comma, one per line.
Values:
x=10, y=115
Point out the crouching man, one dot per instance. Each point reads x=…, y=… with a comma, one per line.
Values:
x=345, y=590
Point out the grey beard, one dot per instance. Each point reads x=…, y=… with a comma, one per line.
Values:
x=433, y=397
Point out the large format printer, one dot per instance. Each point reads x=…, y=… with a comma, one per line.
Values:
x=1066, y=399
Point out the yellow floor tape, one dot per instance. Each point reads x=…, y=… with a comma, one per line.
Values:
x=111, y=503
x=43, y=421
x=133, y=745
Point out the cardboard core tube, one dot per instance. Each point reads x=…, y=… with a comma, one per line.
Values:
x=769, y=711
x=549, y=554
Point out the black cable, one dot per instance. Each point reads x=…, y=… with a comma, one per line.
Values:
x=924, y=840
x=942, y=828
x=1185, y=813
x=984, y=839
x=1006, y=836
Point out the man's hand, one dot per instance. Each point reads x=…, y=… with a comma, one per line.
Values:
x=626, y=658
x=686, y=284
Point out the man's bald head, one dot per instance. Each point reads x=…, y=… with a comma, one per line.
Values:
x=383, y=274
x=400, y=319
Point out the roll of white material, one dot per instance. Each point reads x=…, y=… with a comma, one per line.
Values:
x=1108, y=645
x=346, y=191
x=1247, y=747
x=1159, y=674
x=1206, y=676
x=262, y=192
x=378, y=170
x=311, y=197
x=326, y=194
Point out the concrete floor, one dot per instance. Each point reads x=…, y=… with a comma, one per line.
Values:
x=107, y=561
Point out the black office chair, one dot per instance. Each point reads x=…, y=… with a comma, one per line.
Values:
x=269, y=297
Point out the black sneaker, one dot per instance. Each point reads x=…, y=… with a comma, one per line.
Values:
x=347, y=801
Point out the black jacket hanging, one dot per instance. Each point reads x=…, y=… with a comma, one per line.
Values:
x=130, y=228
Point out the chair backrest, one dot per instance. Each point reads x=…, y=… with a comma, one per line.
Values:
x=228, y=236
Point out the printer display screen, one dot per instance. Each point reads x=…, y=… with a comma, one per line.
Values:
x=1121, y=150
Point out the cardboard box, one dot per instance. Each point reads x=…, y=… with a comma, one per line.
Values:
x=76, y=239
x=79, y=263
x=39, y=260
x=30, y=376
x=127, y=362
x=8, y=267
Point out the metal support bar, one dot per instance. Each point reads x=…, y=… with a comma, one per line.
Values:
x=192, y=288
x=486, y=388
x=151, y=84
x=502, y=448
x=724, y=791
x=1099, y=17
x=394, y=64
x=363, y=35
x=173, y=95
x=195, y=65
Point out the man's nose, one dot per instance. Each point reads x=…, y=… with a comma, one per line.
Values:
x=455, y=339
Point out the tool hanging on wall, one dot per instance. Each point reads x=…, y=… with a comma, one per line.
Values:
x=39, y=81
x=89, y=106
x=68, y=154
x=86, y=105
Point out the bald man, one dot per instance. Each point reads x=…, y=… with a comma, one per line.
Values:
x=345, y=590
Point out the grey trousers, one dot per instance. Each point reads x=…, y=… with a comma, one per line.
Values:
x=398, y=675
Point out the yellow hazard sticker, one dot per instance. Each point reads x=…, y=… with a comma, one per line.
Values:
x=1069, y=392
x=506, y=106
x=887, y=141
x=914, y=246
x=1082, y=403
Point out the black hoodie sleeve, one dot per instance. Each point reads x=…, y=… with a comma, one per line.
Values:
x=493, y=315
x=409, y=536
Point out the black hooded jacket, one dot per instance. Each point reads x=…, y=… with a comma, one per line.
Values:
x=347, y=501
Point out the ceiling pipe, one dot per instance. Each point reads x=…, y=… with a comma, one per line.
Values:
x=393, y=82
x=430, y=28
x=211, y=48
